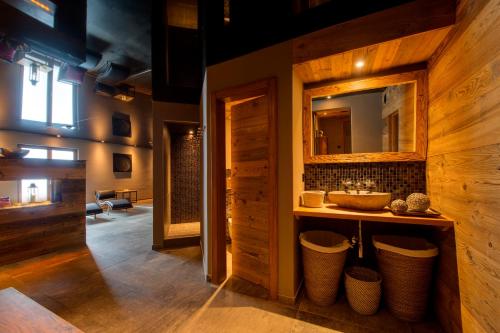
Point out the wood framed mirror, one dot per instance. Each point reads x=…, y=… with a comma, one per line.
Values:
x=373, y=119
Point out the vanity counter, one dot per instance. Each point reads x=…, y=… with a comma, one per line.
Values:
x=334, y=212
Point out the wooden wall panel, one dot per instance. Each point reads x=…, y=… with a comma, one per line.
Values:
x=27, y=232
x=463, y=163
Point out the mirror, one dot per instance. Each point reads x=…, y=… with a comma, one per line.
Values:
x=372, y=119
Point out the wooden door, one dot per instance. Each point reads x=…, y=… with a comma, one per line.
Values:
x=251, y=180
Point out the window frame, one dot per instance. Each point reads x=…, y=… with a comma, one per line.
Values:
x=49, y=111
x=50, y=149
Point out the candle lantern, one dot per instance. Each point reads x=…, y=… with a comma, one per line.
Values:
x=34, y=75
x=32, y=192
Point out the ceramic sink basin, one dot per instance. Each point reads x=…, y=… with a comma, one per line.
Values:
x=363, y=200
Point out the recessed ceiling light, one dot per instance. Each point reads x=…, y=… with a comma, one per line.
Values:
x=328, y=97
x=102, y=141
x=360, y=64
x=58, y=135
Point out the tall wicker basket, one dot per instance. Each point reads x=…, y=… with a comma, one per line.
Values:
x=363, y=289
x=323, y=255
x=406, y=266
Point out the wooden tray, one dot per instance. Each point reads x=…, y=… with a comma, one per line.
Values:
x=428, y=213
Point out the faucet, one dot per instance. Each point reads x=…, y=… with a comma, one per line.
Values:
x=358, y=186
x=370, y=185
x=346, y=184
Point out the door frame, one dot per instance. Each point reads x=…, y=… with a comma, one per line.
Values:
x=217, y=191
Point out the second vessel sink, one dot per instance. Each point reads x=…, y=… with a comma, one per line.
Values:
x=363, y=200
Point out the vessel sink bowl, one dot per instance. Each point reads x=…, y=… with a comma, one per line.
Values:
x=362, y=200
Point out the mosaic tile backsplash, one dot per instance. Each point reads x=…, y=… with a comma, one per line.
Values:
x=185, y=164
x=399, y=178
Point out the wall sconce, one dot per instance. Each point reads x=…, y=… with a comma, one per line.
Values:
x=32, y=192
x=34, y=76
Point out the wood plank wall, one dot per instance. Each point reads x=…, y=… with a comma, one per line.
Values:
x=464, y=163
x=32, y=231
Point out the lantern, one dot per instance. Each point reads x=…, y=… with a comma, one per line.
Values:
x=34, y=74
x=32, y=192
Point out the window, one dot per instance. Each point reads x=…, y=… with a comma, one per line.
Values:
x=50, y=153
x=49, y=101
x=42, y=192
x=42, y=184
x=63, y=154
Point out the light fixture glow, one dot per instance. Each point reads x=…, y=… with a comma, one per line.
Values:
x=328, y=97
x=102, y=141
x=58, y=135
x=360, y=64
x=41, y=5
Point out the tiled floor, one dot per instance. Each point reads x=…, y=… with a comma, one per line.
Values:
x=118, y=284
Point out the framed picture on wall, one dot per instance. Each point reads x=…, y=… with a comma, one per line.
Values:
x=121, y=124
x=122, y=162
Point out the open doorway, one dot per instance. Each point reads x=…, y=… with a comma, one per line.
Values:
x=182, y=152
x=244, y=195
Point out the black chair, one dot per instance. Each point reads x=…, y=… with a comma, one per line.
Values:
x=93, y=209
x=108, y=198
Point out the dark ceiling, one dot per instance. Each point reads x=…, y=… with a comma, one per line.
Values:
x=120, y=30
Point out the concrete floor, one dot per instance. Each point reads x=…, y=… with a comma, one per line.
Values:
x=118, y=284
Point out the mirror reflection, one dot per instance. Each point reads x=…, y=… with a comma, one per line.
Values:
x=370, y=121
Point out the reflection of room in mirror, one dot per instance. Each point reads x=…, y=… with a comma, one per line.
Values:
x=371, y=121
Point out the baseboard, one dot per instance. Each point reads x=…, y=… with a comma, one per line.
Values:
x=291, y=300
x=179, y=242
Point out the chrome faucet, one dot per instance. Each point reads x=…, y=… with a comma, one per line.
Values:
x=358, y=186
x=346, y=184
x=370, y=185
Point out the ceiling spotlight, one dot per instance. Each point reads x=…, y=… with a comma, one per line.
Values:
x=102, y=141
x=360, y=64
x=328, y=97
x=58, y=135
x=190, y=132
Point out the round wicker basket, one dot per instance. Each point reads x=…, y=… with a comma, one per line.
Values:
x=323, y=256
x=405, y=264
x=363, y=289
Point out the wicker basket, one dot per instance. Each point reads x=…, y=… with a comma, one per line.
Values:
x=323, y=254
x=406, y=266
x=363, y=289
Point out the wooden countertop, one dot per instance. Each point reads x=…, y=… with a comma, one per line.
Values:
x=335, y=212
x=19, y=313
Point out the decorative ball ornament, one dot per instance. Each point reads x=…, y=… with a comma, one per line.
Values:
x=399, y=206
x=418, y=202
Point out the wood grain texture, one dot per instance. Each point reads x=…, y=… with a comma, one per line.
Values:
x=31, y=231
x=36, y=168
x=254, y=166
x=377, y=58
x=464, y=158
x=21, y=314
x=409, y=19
x=354, y=85
x=250, y=209
x=337, y=213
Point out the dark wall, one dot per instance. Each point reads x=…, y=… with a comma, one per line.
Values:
x=185, y=177
x=399, y=178
x=261, y=23
x=65, y=41
x=176, y=60
x=94, y=111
